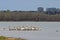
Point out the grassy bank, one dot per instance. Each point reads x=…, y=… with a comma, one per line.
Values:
x=10, y=38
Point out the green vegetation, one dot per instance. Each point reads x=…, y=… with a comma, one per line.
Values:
x=2, y=38
x=10, y=38
x=27, y=16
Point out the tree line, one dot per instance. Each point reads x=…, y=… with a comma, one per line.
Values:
x=27, y=16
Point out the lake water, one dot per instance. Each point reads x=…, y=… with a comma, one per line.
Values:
x=49, y=30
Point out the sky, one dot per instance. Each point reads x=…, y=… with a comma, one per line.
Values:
x=26, y=5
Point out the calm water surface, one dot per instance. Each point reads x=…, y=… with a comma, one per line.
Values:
x=48, y=31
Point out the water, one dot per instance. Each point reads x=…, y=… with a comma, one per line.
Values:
x=50, y=30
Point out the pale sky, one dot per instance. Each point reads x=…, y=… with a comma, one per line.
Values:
x=28, y=4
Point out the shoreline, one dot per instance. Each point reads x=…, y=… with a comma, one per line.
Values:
x=29, y=21
x=10, y=38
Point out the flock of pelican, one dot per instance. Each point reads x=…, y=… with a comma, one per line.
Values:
x=22, y=28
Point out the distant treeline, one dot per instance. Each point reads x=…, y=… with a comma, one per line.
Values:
x=27, y=16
